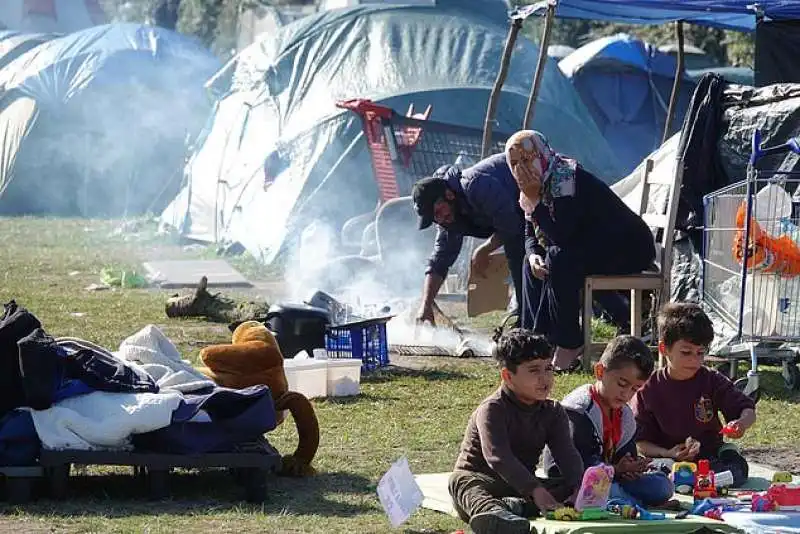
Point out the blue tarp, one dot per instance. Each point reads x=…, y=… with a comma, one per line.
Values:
x=729, y=14
x=626, y=85
x=101, y=114
x=279, y=97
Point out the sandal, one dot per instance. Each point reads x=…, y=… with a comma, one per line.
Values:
x=574, y=362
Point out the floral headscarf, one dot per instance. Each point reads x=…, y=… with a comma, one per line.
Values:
x=535, y=154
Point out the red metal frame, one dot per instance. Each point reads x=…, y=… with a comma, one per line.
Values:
x=382, y=143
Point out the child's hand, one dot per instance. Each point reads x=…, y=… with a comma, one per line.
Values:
x=630, y=468
x=734, y=429
x=685, y=452
x=544, y=501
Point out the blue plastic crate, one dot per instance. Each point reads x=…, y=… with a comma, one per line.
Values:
x=365, y=340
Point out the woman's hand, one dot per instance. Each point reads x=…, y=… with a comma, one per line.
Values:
x=538, y=266
x=528, y=204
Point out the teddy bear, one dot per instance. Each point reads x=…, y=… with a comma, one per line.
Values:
x=254, y=358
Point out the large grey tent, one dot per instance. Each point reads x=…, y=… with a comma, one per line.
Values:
x=13, y=44
x=95, y=122
x=278, y=105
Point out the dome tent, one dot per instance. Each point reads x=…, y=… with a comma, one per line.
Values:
x=278, y=104
x=95, y=122
x=13, y=44
x=626, y=84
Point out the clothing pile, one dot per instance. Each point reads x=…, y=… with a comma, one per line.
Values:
x=69, y=393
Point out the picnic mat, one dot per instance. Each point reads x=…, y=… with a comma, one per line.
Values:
x=437, y=497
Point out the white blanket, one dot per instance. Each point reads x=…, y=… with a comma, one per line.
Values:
x=103, y=420
x=154, y=352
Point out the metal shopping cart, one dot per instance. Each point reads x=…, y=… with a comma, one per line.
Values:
x=751, y=267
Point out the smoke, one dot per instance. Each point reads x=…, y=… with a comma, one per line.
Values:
x=372, y=286
x=108, y=136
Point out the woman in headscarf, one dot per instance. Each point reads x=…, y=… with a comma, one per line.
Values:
x=575, y=226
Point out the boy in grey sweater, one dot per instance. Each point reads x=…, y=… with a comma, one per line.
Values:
x=493, y=485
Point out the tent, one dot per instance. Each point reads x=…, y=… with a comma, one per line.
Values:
x=95, y=122
x=626, y=84
x=278, y=105
x=727, y=14
x=13, y=44
x=51, y=16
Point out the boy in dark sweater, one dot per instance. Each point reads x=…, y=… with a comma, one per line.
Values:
x=684, y=399
x=604, y=427
x=493, y=485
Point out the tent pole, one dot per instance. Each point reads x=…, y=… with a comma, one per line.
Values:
x=540, y=64
x=516, y=24
x=676, y=86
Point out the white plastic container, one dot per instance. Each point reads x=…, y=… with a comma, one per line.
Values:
x=307, y=376
x=344, y=377
x=773, y=203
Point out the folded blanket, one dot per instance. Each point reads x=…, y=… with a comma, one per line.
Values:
x=102, y=420
x=151, y=349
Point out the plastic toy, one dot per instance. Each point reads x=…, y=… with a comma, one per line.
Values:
x=762, y=503
x=567, y=513
x=704, y=485
x=683, y=477
x=782, y=477
x=628, y=510
x=785, y=496
x=595, y=488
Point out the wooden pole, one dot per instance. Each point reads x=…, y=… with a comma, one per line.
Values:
x=676, y=86
x=540, y=64
x=516, y=24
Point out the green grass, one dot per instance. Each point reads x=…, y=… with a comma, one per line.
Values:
x=418, y=410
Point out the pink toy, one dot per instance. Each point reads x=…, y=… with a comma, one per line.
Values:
x=595, y=487
x=786, y=497
x=762, y=503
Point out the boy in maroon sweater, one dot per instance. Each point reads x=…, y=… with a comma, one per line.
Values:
x=684, y=399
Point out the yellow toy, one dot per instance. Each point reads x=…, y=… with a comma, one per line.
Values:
x=684, y=477
x=782, y=477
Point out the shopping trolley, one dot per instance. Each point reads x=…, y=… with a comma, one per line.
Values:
x=751, y=267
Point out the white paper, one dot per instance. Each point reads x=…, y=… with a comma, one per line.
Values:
x=399, y=493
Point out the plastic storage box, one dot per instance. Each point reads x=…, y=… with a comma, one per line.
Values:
x=344, y=377
x=307, y=376
x=363, y=340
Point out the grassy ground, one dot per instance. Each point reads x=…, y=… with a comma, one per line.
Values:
x=416, y=409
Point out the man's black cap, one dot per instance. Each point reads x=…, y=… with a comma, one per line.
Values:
x=425, y=194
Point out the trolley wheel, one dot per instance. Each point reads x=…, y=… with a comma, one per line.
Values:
x=791, y=375
x=741, y=384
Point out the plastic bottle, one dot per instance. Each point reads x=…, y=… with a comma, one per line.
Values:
x=772, y=204
x=796, y=204
x=787, y=314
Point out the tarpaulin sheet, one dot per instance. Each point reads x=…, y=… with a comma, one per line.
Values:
x=278, y=104
x=115, y=104
x=727, y=14
x=626, y=84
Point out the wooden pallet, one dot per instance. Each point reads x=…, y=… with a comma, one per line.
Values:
x=251, y=468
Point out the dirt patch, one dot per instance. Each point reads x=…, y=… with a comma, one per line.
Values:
x=779, y=458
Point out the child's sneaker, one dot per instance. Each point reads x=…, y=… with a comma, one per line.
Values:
x=499, y=522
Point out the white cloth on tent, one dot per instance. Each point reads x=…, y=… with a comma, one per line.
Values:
x=103, y=420
x=156, y=354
